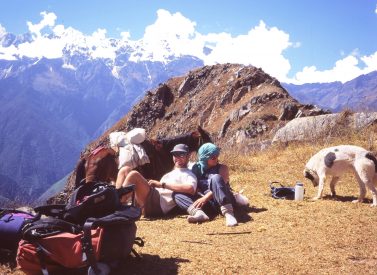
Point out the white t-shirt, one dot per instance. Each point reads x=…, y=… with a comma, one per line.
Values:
x=177, y=176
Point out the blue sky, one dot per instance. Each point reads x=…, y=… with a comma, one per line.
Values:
x=294, y=40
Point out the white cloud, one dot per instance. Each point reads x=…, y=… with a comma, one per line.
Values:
x=125, y=35
x=173, y=35
x=260, y=47
x=42, y=47
x=8, y=53
x=344, y=70
x=375, y=9
x=2, y=31
x=47, y=21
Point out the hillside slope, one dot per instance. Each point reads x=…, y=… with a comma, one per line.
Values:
x=241, y=106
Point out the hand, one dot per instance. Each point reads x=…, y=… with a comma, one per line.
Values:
x=199, y=203
x=154, y=183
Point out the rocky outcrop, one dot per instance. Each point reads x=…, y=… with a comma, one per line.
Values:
x=310, y=128
x=226, y=100
x=241, y=106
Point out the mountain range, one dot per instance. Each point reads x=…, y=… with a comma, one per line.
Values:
x=53, y=107
x=359, y=94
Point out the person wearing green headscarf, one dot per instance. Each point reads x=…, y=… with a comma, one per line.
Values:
x=213, y=184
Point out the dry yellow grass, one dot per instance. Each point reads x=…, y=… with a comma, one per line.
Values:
x=330, y=236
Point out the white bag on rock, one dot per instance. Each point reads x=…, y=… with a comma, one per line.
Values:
x=136, y=135
x=132, y=155
x=118, y=139
x=241, y=199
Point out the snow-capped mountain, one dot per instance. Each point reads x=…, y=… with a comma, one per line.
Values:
x=52, y=107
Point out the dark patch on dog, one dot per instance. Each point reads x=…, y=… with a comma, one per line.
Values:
x=329, y=159
x=336, y=149
x=309, y=176
x=372, y=158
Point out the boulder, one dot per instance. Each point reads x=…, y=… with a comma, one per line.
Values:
x=310, y=128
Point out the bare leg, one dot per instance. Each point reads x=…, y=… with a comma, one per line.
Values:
x=122, y=174
x=333, y=181
x=142, y=187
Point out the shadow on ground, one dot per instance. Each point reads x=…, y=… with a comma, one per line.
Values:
x=344, y=198
x=149, y=264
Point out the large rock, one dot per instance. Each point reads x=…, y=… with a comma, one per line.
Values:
x=309, y=128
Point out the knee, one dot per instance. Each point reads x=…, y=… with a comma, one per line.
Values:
x=180, y=196
x=217, y=180
x=124, y=171
x=133, y=177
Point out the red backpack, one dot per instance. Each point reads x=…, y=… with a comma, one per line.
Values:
x=82, y=239
x=56, y=253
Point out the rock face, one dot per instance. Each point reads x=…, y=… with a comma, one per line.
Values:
x=238, y=105
x=310, y=128
x=241, y=106
x=223, y=99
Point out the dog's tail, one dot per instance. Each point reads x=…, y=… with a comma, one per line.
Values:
x=370, y=156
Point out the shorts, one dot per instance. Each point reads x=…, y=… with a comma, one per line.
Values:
x=152, y=206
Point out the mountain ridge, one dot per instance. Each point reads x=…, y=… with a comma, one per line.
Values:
x=240, y=106
x=50, y=112
x=359, y=94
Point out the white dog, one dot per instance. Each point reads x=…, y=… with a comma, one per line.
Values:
x=335, y=161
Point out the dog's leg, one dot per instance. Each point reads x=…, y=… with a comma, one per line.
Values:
x=372, y=189
x=333, y=182
x=362, y=178
x=367, y=176
x=322, y=180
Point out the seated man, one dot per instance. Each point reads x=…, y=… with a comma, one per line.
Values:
x=155, y=197
x=213, y=185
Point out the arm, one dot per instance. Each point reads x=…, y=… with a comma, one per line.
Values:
x=183, y=188
x=199, y=203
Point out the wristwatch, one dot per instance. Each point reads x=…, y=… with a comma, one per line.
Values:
x=163, y=185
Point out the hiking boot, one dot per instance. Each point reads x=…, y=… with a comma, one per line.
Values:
x=199, y=216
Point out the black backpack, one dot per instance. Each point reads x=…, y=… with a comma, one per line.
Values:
x=91, y=200
x=282, y=192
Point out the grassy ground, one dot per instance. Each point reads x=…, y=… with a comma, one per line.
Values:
x=330, y=236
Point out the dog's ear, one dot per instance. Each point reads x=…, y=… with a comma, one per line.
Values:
x=308, y=174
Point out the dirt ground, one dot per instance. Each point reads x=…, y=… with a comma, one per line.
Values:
x=330, y=236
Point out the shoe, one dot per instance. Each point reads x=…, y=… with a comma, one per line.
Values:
x=230, y=220
x=199, y=216
x=227, y=211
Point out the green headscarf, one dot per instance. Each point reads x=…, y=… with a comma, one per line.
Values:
x=205, y=152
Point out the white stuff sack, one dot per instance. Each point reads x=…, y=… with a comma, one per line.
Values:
x=136, y=136
x=118, y=139
x=241, y=199
x=132, y=156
